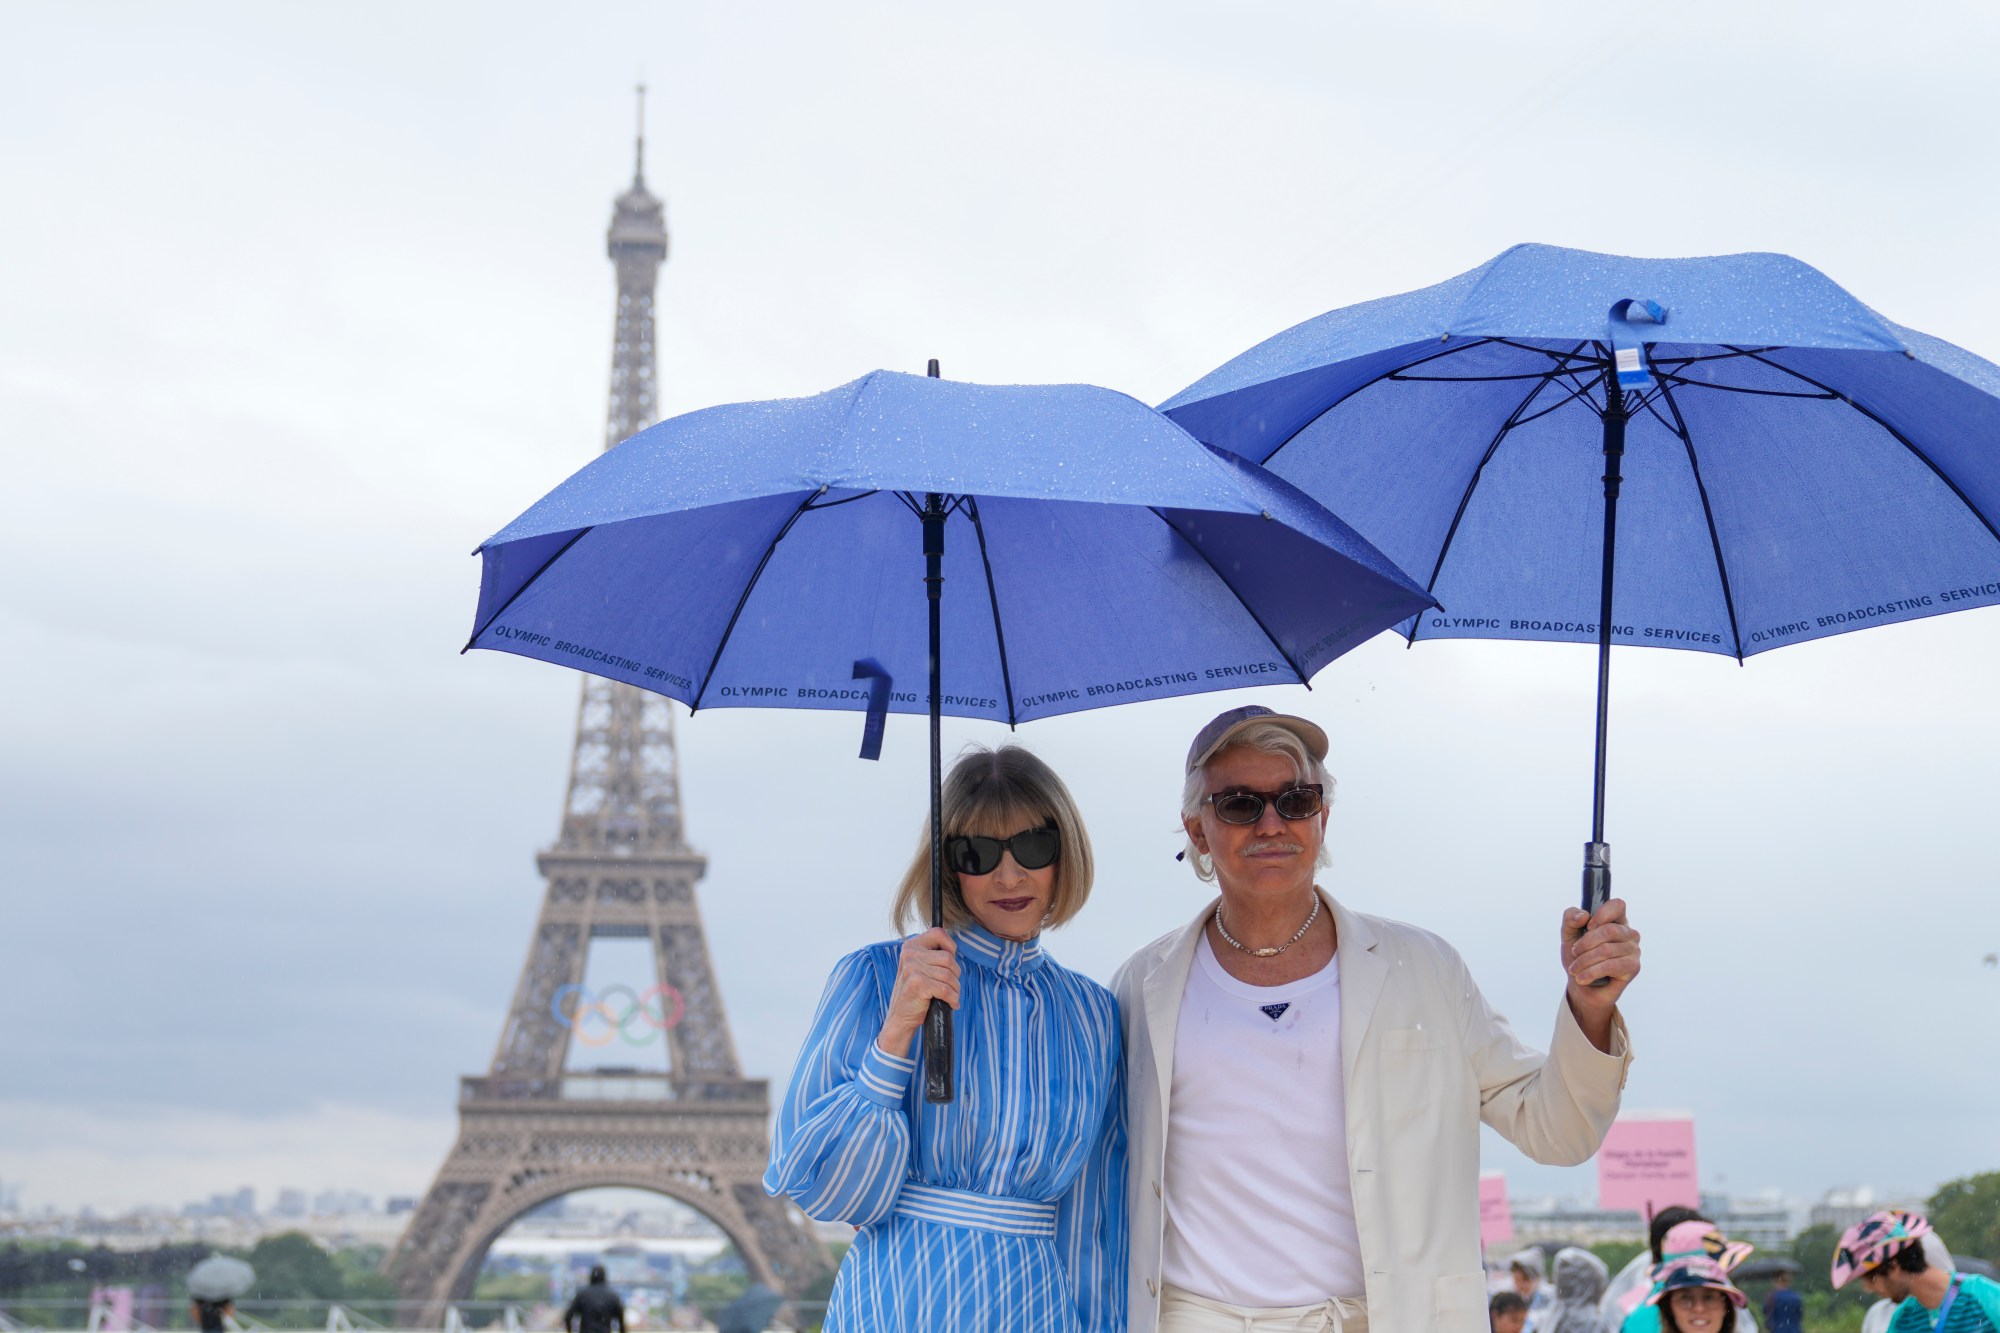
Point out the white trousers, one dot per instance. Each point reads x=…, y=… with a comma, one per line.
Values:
x=1184, y=1312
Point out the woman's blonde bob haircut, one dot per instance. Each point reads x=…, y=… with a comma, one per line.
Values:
x=996, y=794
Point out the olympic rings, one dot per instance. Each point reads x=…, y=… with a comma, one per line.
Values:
x=592, y=1021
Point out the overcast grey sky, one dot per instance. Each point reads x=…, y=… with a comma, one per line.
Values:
x=301, y=302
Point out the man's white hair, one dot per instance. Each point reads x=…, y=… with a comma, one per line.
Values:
x=1270, y=738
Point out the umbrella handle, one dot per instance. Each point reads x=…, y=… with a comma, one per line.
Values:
x=1596, y=885
x=938, y=1055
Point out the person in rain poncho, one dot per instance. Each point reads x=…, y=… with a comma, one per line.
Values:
x=1579, y=1278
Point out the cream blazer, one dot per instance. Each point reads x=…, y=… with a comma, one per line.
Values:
x=1425, y=1059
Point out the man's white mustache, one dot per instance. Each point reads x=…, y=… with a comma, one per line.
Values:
x=1272, y=845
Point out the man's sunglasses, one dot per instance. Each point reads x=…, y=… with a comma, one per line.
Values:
x=1247, y=807
x=970, y=854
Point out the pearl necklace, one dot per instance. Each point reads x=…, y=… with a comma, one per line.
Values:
x=1272, y=952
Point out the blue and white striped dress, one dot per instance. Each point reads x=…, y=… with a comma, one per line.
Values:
x=1004, y=1209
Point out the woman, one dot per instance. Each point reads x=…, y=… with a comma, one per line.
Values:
x=1003, y=1209
x=1695, y=1295
x=1677, y=1232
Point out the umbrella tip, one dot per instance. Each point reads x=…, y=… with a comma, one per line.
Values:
x=933, y=371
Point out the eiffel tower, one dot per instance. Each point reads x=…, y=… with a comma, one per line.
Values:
x=529, y=1132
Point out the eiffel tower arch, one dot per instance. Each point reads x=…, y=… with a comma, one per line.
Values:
x=531, y=1129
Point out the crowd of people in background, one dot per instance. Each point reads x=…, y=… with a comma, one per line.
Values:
x=1684, y=1283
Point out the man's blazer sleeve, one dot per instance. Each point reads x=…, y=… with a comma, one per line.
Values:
x=1557, y=1107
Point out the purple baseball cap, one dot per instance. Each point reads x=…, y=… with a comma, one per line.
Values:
x=1223, y=729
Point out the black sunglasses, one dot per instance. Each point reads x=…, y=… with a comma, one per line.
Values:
x=1247, y=807
x=970, y=854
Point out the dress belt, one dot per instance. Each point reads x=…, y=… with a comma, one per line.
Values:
x=985, y=1212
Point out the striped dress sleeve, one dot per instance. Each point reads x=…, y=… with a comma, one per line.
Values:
x=1091, y=1231
x=842, y=1149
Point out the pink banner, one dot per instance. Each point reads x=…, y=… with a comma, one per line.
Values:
x=1647, y=1165
x=1496, y=1219
x=110, y=1309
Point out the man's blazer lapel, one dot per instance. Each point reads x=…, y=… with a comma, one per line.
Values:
x=1363, y=973
x=1166, y=983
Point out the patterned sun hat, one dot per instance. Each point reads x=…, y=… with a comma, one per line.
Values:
x=1699, y=1237
x=1695, y=1271
x=1876, y=1240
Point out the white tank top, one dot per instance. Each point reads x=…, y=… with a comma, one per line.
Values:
x=1259, y=1208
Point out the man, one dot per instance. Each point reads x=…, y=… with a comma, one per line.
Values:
x=596, y=1308
x=1507, y=1312
x=1887, y=1252
x=1525, y=1271
x=1784, y=1310
x=1306, y=1083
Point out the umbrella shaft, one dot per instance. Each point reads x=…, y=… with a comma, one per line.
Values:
x=937, y=1021
x=1597, y=854
x=1614, y=455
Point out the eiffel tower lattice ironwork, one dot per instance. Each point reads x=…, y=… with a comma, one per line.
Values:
x=529, y=1131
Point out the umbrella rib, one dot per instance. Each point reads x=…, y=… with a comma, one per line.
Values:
x=1258, y=620
x=1575, y=392
x=560, y=551
x=1400, y=378
x=993, y=596
x=1895, y=434
x=749, y=586
x=1744, y=388
x=1680, y=428
x=1315, y=418
x=1684, y=361
x=1563, y=359
x=1451, y=533
x=1651, y=402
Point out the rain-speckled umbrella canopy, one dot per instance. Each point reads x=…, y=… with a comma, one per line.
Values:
x=749, y=555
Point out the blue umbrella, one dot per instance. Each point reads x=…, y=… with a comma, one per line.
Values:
x=1776, y=461
x=768, y=554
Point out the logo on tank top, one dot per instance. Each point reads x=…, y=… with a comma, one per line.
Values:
x=1274, y=1012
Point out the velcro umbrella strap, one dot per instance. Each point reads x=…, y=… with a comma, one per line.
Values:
x=870, y=670
x=1628, y=350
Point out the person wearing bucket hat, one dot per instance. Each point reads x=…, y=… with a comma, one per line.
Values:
x=1694, y=1295
x=1887, y=1252
x=1680, y=1234
x=1305, y=1083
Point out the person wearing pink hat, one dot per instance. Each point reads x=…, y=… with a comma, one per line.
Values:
x=1677, y=1234
x=1694, y=1295
x=1886, y=1251
x=1306, y=1083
